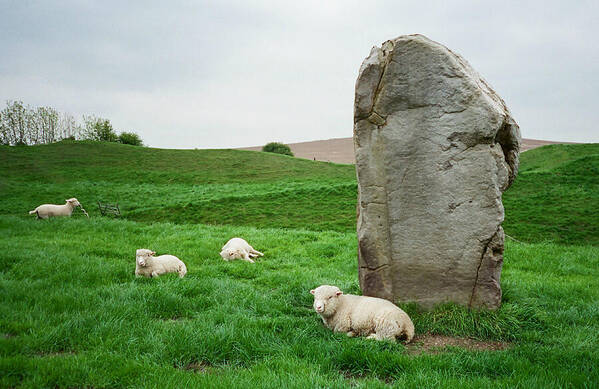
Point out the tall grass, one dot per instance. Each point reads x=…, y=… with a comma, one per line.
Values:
x=73, y=314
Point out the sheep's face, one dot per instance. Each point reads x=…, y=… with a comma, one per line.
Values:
x=142, y=255
x=326, y=299
x=74, y=202
x=230, y=254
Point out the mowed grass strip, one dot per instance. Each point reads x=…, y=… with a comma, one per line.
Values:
x=72, y=314
x=314, y=207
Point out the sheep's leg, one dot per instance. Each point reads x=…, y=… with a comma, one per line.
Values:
x=341, y=326
x=376, y=336
x=350, y=334
x=256, y=252
x=254, y=255
x=246, y=257
x=154, y=274
x=385, y=330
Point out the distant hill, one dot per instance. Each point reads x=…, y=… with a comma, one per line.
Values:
x=341, y=150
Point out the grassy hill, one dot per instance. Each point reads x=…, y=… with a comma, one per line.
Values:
x=556, y=196
x=272, y=191
x=72, y=314
x=182, y=186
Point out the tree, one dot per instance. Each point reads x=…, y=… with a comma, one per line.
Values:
x=4, y=138
x=69, y=128
x=44, y=123
x=14, y=123
x=279, y=148
x=130, y=138
x=26, y=125
x=98, y=129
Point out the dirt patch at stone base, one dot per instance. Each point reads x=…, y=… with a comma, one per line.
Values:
x=435, y=344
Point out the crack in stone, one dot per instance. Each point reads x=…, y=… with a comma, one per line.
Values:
x=387, y=60
x=454, y=206
x=452, y=158
x=482, y=257
x=414, y=106
x=374, y=202
x=452, y=112
x=375, y=268
x=389, y=250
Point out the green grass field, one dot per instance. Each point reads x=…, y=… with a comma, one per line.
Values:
x=72, y=314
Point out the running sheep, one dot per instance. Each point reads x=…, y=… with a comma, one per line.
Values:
x=47, y=210
x=147, y=265
x=372, y=317
x=237, y=248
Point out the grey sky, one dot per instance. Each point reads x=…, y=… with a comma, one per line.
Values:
x=232, y=74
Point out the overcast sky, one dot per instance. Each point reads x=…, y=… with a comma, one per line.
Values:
x=242, y=73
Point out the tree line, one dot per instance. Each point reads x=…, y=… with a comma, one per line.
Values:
x=26, y=125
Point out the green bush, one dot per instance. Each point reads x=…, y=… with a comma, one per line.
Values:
x=279, y=148
x=99, y=129
x=130, y=138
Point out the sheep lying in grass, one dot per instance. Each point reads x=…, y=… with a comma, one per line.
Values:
x=46, y=210
x=146, y=264
x=360, y=315
x=237, y=248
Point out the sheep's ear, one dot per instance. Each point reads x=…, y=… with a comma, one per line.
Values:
x=153, y=252
x=338, y=293
x=312, y=291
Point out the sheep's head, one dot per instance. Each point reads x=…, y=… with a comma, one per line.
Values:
x=230, y=254
x=74, y=202
x=142, y=255
x=326, y=299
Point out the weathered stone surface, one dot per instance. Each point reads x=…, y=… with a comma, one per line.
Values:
x=435, y=148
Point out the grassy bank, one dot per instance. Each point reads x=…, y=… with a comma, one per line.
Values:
x=554, y=198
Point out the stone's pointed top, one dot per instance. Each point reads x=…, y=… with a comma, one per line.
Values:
x=418, y=37
x=435, y=148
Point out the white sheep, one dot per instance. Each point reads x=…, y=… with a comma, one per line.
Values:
x=146, y=264
x=237, y=248
x=361, y=315
x=44, y=211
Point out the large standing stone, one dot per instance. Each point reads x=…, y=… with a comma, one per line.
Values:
x=435, y=148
